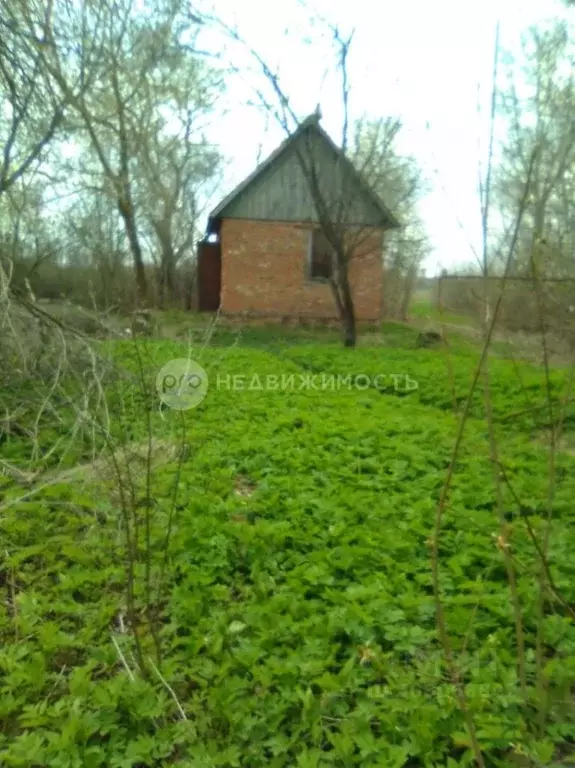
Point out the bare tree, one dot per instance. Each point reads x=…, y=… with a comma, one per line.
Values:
x=31, y=112
x=27, y=237
x=108, y=61
x=537, y=108
x=175, y=165
x=95, y=242
x=101, y=112
x=397, y=178
x=335, y=195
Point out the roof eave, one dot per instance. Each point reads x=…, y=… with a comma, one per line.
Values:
x=215, y=217
x=312, y=120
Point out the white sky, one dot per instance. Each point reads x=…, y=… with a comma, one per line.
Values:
x=424, y=62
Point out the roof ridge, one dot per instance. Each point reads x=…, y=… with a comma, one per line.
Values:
x=311, y=121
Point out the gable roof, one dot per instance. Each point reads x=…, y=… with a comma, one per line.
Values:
x=310, y=123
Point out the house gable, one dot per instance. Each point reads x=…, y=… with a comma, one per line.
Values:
x=279, y=189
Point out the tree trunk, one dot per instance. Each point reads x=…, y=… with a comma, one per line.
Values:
x=347, y=313
x=161, y=286
x=189, y=280
x=167, y=276
x=169, y=273
x=409, y=285
x=135, y=248
x=349, y=334
x=344, y=301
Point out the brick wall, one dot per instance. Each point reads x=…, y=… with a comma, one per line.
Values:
x=264, y=273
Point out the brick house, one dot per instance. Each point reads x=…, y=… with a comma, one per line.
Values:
x=265, y=254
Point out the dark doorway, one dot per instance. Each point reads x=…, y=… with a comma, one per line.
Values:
x=209, y=276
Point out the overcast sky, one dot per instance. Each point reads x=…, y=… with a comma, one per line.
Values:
x=424, y=62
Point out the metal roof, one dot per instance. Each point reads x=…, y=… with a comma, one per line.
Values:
x=310, y=123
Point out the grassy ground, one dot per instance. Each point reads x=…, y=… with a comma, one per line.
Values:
x=293, y=604
x=426, y=309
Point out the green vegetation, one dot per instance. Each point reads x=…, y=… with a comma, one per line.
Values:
x=428, y=310
x=295, y=610
x=341, y=557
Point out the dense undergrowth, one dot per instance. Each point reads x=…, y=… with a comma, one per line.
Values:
x=519, y=392
x=295, y=604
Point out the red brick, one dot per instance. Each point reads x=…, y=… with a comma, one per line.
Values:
x=264, y=273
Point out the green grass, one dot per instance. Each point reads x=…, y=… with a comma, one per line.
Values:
x=423, y=310
x=389, y=334
x=299, y=620
x=399, y=335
